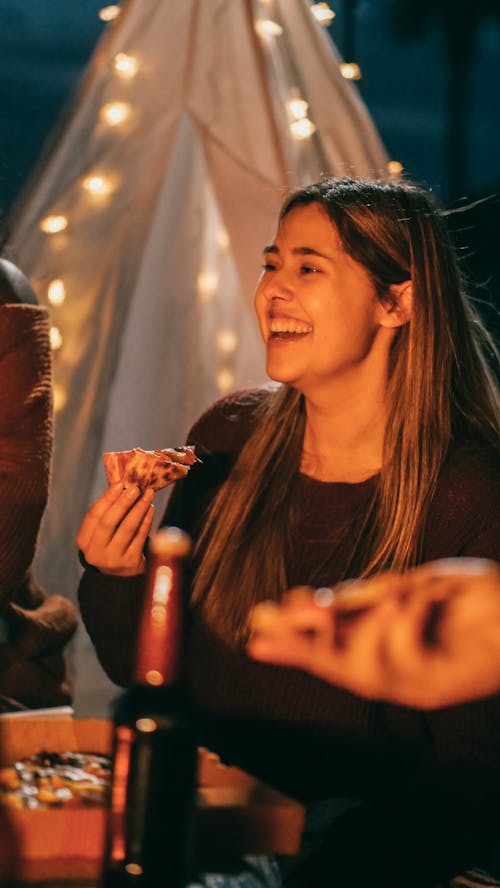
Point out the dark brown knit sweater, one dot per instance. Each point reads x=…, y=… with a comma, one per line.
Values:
x=35, y=626
x=428, y=783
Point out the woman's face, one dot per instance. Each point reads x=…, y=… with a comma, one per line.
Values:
x=317, y=308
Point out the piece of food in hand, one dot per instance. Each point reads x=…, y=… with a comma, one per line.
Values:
x=149, y=468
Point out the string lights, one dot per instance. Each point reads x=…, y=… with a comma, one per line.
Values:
x=350, y=70
x=53, y=224
x=109, y=13
x=268, y=28
x=115, y=113
x=394, y=167
x=125, y=65
x=323, y=13
x=56, y=292
x=100, y=185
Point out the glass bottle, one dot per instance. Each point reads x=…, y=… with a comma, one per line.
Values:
x=155, y=756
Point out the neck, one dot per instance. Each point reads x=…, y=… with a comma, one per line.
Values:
x=344, y=436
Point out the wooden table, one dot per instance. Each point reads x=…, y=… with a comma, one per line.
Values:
x=64, y=847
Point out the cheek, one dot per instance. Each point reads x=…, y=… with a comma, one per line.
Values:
x=259, y=306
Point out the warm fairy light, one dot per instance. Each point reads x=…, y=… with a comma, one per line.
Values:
x=56, y=339
x=302, y=129
x=225, y=381
x=56, y=292
x=297, y=107
x=53, y=224
x=109, y=13
x=125, y=65
x=223, y=239
x=153, y=677
x=227, y=341
x=268, y=28
x=394, y=167
x=322, y=13
x=207, y=283
x=134, y=869
x=60, y=398
x=146, y=725
x=351, y=71
x=98, y=185
x=115, y=113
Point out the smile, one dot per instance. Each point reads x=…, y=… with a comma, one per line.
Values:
x=288, y=327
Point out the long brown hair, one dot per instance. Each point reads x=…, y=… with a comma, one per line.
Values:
x=441, y=392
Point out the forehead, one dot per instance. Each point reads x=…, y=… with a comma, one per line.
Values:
x=308, y=226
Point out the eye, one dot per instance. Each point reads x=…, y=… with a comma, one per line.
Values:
x=309, y=269
x=268, y=266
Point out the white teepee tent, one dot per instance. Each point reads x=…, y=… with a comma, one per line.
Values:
x=145, y=223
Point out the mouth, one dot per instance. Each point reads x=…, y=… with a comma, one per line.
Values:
x=288, y=329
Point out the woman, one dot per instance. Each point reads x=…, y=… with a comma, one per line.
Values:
x=378, y=448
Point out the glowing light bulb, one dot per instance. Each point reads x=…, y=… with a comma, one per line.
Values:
x=53, y=224
x=322, y=13
x=223, y=239
x=268, y=28
x=303, y=128
x=60, y=398
x=56, y=339
x=146, y=725
x=109, y=13
x=98, y=185
x=225, y=381
x=207, y=283
x=351, y=71
x=227, y=341
x=125, y=65
x=115, y=113
x=394, y=167
x=56, y=292
x=297, y=107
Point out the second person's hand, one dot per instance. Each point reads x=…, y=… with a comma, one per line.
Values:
x=114, y=530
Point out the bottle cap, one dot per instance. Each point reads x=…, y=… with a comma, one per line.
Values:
x=170, y=541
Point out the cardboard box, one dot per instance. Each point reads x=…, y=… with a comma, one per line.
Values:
x=235, y=813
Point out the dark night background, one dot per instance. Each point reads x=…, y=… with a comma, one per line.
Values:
x=431, y=81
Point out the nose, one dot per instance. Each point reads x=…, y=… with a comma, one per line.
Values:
x=277, y=285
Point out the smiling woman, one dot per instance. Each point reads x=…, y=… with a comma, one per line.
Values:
x=375, y=448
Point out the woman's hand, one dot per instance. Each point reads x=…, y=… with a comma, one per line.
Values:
x=113, y=533
x=427, y=638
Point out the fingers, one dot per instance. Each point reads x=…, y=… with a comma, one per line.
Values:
x=114, y=531
x=293, y=633
x=95, y=512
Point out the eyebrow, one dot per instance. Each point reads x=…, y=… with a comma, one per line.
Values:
x=297, y=251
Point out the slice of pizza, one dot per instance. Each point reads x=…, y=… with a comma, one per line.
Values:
x=149, y=468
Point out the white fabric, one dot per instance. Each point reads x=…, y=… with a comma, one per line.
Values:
x=208, y=148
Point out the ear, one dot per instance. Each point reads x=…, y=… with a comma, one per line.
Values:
x=397, y=305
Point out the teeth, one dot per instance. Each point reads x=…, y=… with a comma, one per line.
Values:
x=282, y=326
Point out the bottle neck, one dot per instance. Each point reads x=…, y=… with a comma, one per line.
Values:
x=160, y=635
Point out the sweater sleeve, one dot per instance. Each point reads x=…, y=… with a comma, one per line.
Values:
x=25, y=437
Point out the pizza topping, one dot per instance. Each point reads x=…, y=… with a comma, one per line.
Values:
x=50, y=779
